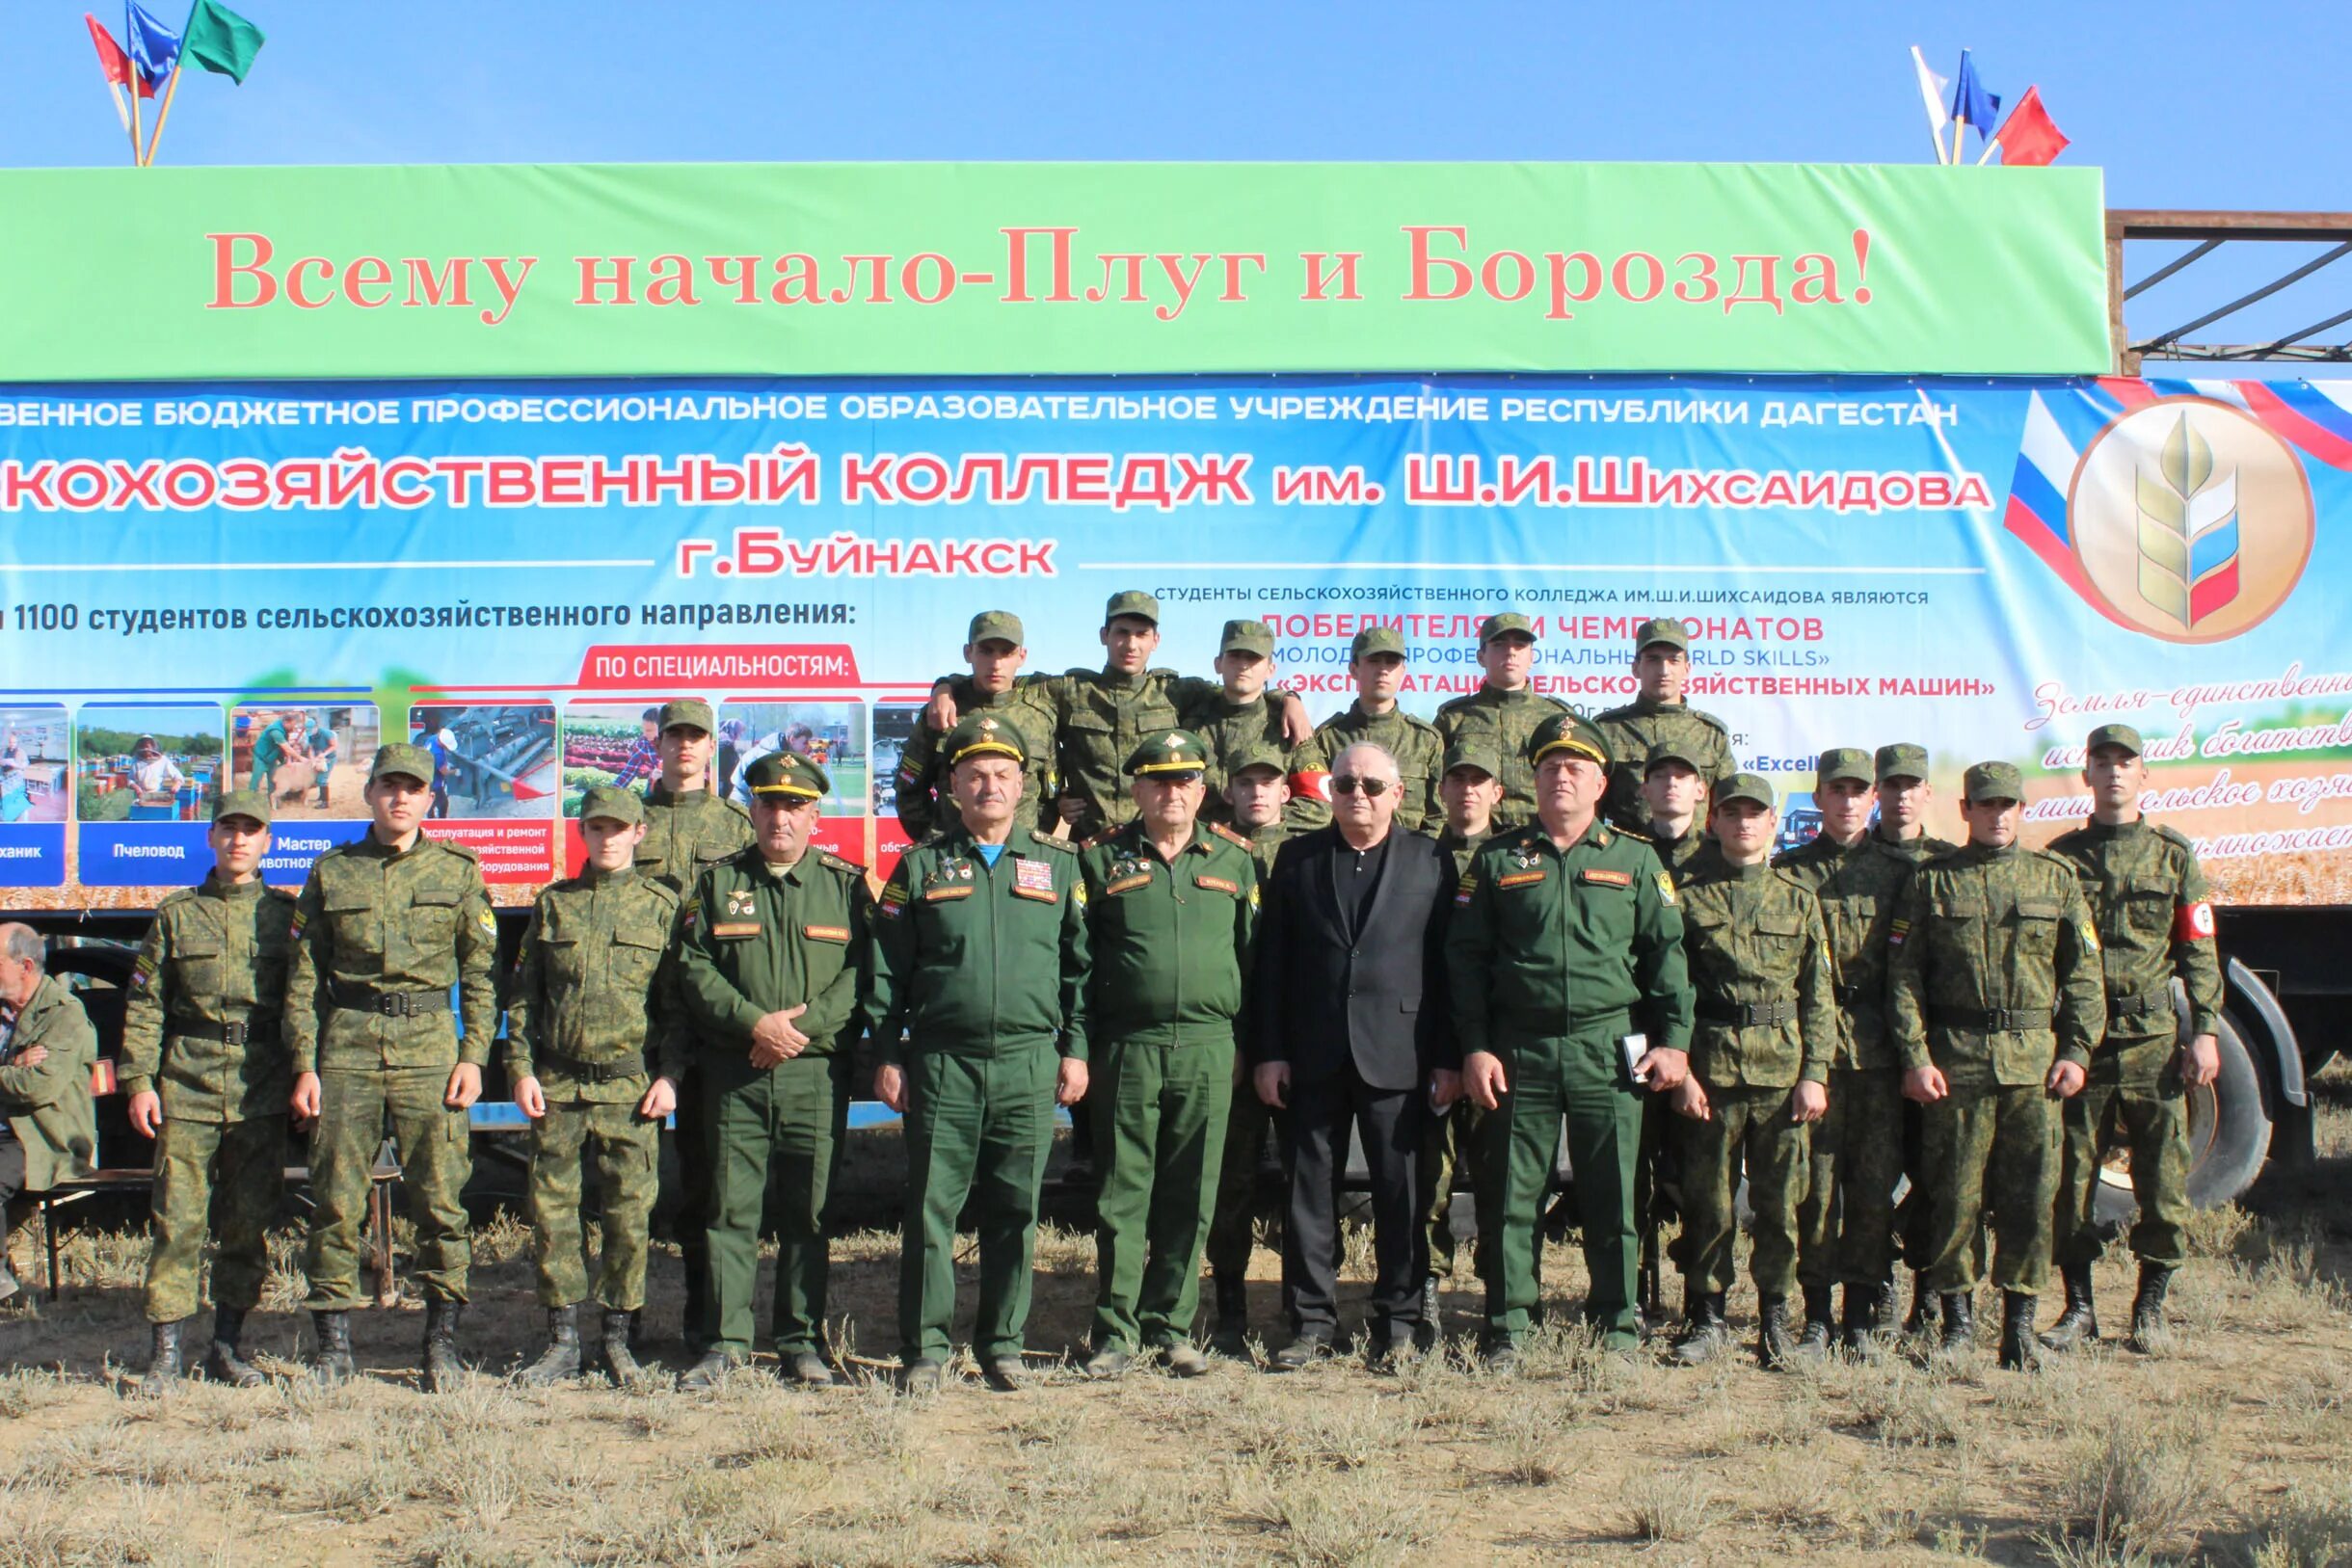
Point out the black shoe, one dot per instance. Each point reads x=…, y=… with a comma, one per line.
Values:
x=1959, y=1334
x=620, y=1359
x=1184, y=1360
x=333, y=1364
x=1860, y=1330
x=1232, y=1336
x=2020, y=1349
x=224, y=1362
x=693, y=1325
x=163, y=1361
x=1704, y=1331
x=1004, y=1374
x=1922, y=1308
x=1303, y=1351
x=562, y=1357
x=922, y=1376
x=1425, y=1333
x=1388, y=1351
x=443, y=1370
x=1500, y=1352
x=808, y=1369
x=1776, y=1336
x=2148, y=1320
x=1819, y=1323
x=1108, y=1362
x=706, y=1373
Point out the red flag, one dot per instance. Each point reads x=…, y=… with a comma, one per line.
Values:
x=2029, y=137
x=112, y=61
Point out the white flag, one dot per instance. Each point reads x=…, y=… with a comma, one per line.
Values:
x=1931, y=90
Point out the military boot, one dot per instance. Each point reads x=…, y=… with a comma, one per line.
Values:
x=2020, y=1349
x=1232, y=1337
x=1776, y=1337
x=333, y=1364
x=693, y=1329
x=2147, y=1319
x=442, y=1369
x=562, y=1357
x=163, y=1361
x=1704, y=1332
x=1819, y=1323
x=1862, y=1328
x=1958, y=1335
x=623, y=1365
x=2078, y=1322
x=226, y=1362
x=1922, y=1308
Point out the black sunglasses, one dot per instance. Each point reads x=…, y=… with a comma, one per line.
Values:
x=1348, y=783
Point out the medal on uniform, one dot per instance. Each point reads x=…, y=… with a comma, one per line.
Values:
x=1033, y=878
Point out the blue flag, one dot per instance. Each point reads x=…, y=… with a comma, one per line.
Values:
x=154, y=48
x=1969, y=100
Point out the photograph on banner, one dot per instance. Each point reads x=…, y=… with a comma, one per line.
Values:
x=489, y=760
x=146, y=765
x=894, y=724
x=610, y=744
x=830, y=735
x=312, y=758
x=1799, y=821
x=36, y=756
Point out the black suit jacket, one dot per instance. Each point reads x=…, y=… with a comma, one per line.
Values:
x=1320, y=1000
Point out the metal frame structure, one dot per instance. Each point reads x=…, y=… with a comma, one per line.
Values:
x=2213, y=230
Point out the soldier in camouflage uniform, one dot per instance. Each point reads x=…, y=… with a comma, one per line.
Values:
x=688, y=829
x=1239, y=718
x=1767, y=1027
x=1657, y=716
x=1848, y=1229
x=777, y=956
x=2155, y=922
x=384, y=928
x=592, y=1007
x=205, y=1067
x=1995, y=1001
x=1503, y=712
x=1376, y=659
x=1672, y=816
x=996, y=648
x=1257, y=788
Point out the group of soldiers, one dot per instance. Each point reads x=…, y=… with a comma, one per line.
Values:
x=1624, y=957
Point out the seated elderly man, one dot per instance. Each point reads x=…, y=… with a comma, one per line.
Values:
x=48, y=1126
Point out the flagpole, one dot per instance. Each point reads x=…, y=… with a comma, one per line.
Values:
x=122, y=112
x=164, y=114
x=1960, y=124
x=1992, y=142
x=138, y=121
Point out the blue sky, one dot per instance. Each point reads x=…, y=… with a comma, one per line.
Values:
x=2183, y=104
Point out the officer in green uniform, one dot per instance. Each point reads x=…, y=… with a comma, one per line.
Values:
x=1564, y=957
x=776, y=960
x=1673, y=791
x=592, y=1011
x=1503, y=712
x=980, y=963
x=1995, y=1001
x=1171, y=906
x=1847, y=1231
x=48, y=1123
x=1257, y=788
x=996, y=648
x=1658, y=714
x=205, y=1067
x=1376, y=660
x=383, y=929
x=1471, y=789
x=2155, y=923
x=1767, y=1027
x=1239, y=718
x=688, y=829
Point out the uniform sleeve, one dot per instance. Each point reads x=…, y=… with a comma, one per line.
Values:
x=1659, y=967
x=1245, y=941
x=2195, y=956
x=2083, y=980
x=710, y=998
x=894, y=957
x=672, y=1039
x=1311, y=761
x=1817, y=1009
x=308, y=976
x=833, y=1013
x=30, y=1088
x=1093, y=862
x=1432, y=776
x=1189, y=691
x=477, y=969
x=1906, y=943
x=918, y=813
x=1470, y=944
x=143, y=1010
x=1076, y=962
x=1724, y=763
x=522, y=999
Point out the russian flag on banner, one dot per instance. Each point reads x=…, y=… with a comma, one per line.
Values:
x=2314, y=417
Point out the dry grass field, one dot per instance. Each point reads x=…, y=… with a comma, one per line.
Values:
x=2231, y=1446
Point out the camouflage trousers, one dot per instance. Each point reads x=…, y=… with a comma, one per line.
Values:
x=2147, y=1114
x=1749, y=1129
x=1996, y=1148
x=1449, y=1144
x=231, y=1170
x=1846, y=1227
x=627, y=1150
x=357, y=1108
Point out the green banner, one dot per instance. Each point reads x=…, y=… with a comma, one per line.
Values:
x=1064, y=269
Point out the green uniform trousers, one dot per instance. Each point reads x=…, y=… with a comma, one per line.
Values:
x=1232, y=1228
x=1160, y=1116
x=779, y=1128
x=1990, y=1149
x=357, y=1108
x=627, y=1150
x=1747, y=1128
x=691, y=1202
x=235, y=1171
x=1579, y=1078
x=1846, y=1227
x=2151, y=1118
x=979, y=1127
x=1449, y=1143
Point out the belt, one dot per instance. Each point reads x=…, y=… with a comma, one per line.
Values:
x=235, y=1033
x=1746, y=1013
x=2158, y=1001
x=1991, y=1020
x=592, y=1072
x=391, y=1003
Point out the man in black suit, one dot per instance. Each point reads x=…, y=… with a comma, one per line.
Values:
x=1348, y=1027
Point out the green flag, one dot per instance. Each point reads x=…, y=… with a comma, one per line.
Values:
x=219, y=40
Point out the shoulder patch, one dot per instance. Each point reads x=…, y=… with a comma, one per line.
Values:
x=1228, y=835
x=838, y=864
x=1666, y=890
x=461, y=850
x=1706, y=718
x=1051, y=843
x=2172, y=835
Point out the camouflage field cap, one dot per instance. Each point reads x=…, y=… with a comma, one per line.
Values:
x=1503, y=626
x=1903, y=760
x=689, y=711
x=1259, y=753
x=1992, y=780
x=786, y=775
x=1843, y=762
x=1669, y=751
x=1473, y=754
x=983, y=735
x=1172, y=756
x=1247, y=637
x=1752, y=787
x=1570, y=732
x=1133, y=601
x=248, y=803
x=1375, y=640
x=1664, y=629
x=2114, y=734
x=404, y=757
x=614, y=803
x=996, y=627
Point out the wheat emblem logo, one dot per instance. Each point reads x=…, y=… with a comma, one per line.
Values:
x=2188, y=529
